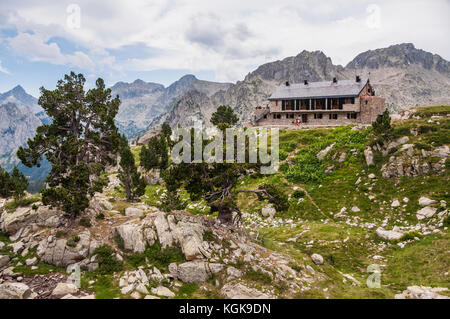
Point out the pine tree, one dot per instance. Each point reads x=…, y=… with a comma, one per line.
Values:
x=79, y=141
x=131, y=180
x=166, y=130
x=19, y=184
x=163, y=152
x=216, y=182
x=224, y=115
x=155, y=155
x=5, y=183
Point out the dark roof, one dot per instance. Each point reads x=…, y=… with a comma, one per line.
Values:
x=343, y=88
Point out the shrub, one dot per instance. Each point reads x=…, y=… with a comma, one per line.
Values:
x=70, y=243
x=187, y=290
x=425, y=128
x=402, y=130
x=85, y=222
x=284, y=167
x=306, y=168
x=208, y=236
x=100, y=216
x=278, y=198
x=157, y=256
x=119, y=241
x=60, y=234
x=258, y=276
x=298, y=193
x=283, y=155
x=423, y=146
x=107, y=261
x=439, y=138
x=409, y=236
x=34, y=207
x=446, y=221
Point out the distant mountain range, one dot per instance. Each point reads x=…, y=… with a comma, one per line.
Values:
x=402, y=74
x=142, y=102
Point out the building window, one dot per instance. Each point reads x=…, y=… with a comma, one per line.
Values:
x=333, y=116
x=287, y=116
x=276, y=103
x=278, y=116
x=351, y=115
x=283, y=105
x=318, y=115
x=265, y=116
x=291, y=115
x=297, y=105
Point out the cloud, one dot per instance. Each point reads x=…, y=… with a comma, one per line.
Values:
x=206, y=30
x=2, y=69
x=34, y=48
x=228, y=37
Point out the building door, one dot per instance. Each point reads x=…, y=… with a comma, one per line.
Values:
x=304, y=118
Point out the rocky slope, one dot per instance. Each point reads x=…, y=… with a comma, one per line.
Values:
x=402, y=74
x=17, y=124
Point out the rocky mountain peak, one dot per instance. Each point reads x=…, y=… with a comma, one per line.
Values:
x=21, y=99
x=18, y=90
x=400, y=55
x=312, y=65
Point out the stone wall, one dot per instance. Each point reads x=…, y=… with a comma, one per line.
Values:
x=371, y=107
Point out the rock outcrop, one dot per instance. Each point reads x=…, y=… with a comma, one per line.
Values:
x=16, y=290
x=57, y=251
x=25, y=218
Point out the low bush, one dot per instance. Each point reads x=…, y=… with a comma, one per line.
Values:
x=157, y=256
x=298, y=193
x=258, y=276
x=107, y=260
x=85, y=222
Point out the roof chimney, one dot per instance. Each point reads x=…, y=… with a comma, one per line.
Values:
x=334, y=80
x=306, y=82
x=358, y=79
x=287, y=83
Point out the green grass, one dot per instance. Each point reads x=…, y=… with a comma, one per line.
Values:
x=422, y=263
x=107, y=260
x=4, y=237
x=156, y=256
x=433, y=110
x=258, y=276
x=42, y=269
x=103, y=286
x=13, y=205
x=187, y=291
